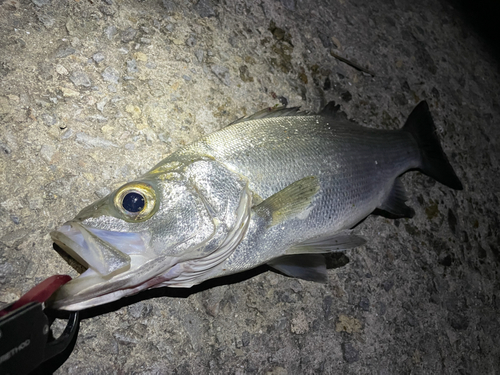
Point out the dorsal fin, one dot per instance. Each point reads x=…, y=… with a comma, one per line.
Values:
x=271, y=112
x=331, y=110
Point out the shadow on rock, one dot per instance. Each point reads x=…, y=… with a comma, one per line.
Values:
x=333, y=260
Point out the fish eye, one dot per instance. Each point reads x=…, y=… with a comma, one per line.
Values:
x=136, y=201
x=133, y=202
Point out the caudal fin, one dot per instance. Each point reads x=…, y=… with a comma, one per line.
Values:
x=434, y=162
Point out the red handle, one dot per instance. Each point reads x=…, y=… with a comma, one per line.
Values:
x=39, y=293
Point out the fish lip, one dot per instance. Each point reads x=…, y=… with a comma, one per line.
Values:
x=91, y=289
x=77, y=291
x=66, y=242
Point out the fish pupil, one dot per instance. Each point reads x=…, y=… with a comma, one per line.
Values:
x=133, y=202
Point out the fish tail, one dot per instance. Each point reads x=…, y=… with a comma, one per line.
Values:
x=434, y=162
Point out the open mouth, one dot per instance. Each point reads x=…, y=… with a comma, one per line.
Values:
x=108, y=269
x=98, y=249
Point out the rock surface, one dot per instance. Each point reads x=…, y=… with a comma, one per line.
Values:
x=94, y=93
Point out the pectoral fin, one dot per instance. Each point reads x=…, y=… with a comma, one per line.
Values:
x=311, y=267
x=289, y=202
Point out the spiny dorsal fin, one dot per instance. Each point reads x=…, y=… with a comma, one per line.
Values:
x=271, y=112
x=331, y=110
x=289, y=202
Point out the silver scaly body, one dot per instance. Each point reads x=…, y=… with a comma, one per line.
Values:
x=356, y=168
x=278, y=188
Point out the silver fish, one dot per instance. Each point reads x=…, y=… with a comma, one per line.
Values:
x=280, y=187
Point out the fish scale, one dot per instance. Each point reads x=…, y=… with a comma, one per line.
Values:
x=352, y=184
x=343, y=159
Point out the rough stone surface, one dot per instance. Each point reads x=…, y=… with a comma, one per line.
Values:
x=422, y=296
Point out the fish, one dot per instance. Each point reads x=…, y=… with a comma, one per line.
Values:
x=282, y=187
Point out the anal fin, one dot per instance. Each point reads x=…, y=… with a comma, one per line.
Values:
x=306, y=260
x=311, y=267
x=394, y=203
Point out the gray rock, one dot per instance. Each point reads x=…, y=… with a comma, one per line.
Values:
x=4, y=149
x=169, y=5
x=102, y=103
x=222, y=73
x=325, y=40
x=47, y=20
x=98, y=118
x=458, y=321
x=110, y=74
x=80, y=78
x=128, y=35
x=67, y=134
x=110, y=31
x=289, y=4
x=388, y=284
x=49, y=119
x=199, y=53
x=381, y=308
x=132, y=66
x=107, y=10
x=15, y=219
x=46, y=152
x=41, y=3
x=64, y=51
x=245, y=338
x=90, y=141
x=102, y=192
x=139, y=310
x=191, y=41
x=98, y=57
x=350, y=354
x=205, y=9
x=424, y=58
x=364, y=303
x=35, y=203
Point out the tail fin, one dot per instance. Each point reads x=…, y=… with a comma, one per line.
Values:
x=435, y=164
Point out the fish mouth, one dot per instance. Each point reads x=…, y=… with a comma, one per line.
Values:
x=111, y=273
x=93, y=248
